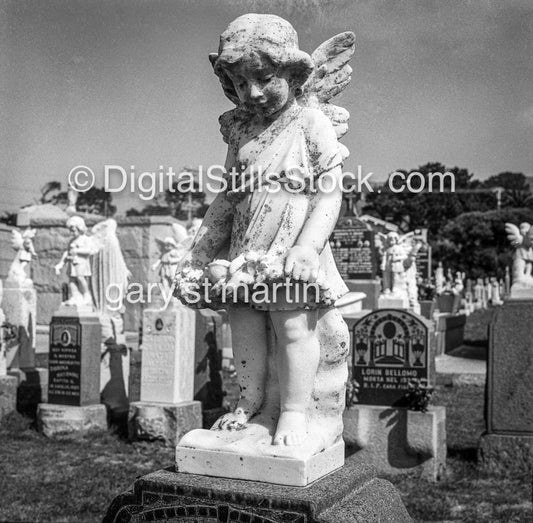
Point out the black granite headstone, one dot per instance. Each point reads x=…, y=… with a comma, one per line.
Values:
x=74, y=360
x=391, y=347
x=352, y=244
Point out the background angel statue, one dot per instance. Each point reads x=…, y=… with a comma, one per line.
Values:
x=76, y=259
x=398, y=265
x=22, y=242
x=95, y=265
x=521, y=239
x=172, y=249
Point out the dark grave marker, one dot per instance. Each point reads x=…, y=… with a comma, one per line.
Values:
x=391, y=347
x=74, y=361
x=353, y=247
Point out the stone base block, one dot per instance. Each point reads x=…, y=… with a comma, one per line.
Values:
x=386, y=302
x=351, y=494
x=281, y=470
x=32, y=388
x=163, y=421
x=397, y=440
x=8, y=395
x=506, y=453
x=371, y=288
x=57, y=420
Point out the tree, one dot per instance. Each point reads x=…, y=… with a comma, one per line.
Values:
x=9, y=218
x=476, y=242
x=429, y=209
x=516, y=191
x=96, y=201
x=507, y=180
x=180, y=203
x=51, y=193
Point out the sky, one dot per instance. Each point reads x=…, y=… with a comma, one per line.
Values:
x=95, y=82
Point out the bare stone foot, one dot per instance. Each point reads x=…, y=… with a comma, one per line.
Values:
x=291, y=429
x=235, y=420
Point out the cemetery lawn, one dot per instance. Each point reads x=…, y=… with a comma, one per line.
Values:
x=75, y=479
x=466, y=494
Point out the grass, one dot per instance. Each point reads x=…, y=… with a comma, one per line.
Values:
x=68, y=480
x=466, y=494
x=74, y=479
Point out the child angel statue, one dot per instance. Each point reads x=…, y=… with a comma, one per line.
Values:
x=272, y=219
x=22, y=242
x=97, y=272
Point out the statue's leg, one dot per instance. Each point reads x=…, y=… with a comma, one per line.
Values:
x=250, y=347
x=74, y=292
x=298, y=358
x=83, y=285
x=519, y=269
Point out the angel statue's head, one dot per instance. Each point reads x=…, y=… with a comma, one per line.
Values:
x=393, y=238
x=170, y=243
x=259, y=63
x=524, y=228
x=76, y=225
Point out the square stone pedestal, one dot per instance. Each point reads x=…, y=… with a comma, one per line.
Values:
x=149, y=420
x=350, y=494
x=297, y=472
x=8, y=395
x=57, y=420
x=32, y=388
x=390, y=302
x=397, y=440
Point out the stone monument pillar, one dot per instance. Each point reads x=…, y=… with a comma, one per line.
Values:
x=166, y=410
x=507, y=444
x=74, y=374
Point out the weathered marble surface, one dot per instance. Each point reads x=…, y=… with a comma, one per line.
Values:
x=289, y=353
x=57, y=420
x=323, y=414
x=166, y=422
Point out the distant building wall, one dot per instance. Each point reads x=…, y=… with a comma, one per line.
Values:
x=137, y=236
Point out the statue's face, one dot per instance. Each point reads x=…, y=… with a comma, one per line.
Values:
x=260, y=86
x=74, y=231
x=524, y=228
x=393, y=239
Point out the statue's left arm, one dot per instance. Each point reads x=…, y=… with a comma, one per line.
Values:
x=325, y=160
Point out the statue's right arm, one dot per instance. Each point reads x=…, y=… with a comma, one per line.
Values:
x=213, y=233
